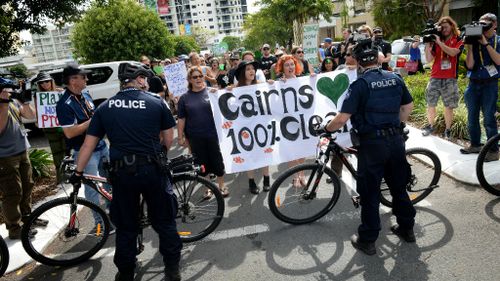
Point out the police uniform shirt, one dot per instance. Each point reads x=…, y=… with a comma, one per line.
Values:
x=132, y=121
x=359, y=92
x=75, y=109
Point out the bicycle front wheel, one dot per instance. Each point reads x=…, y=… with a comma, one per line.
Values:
x=198, y=214
x=425, y=174
x=70, y=237
x=302, y=204
x=487, y=172
x=4, y=256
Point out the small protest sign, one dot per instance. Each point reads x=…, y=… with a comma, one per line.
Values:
x=176, y=76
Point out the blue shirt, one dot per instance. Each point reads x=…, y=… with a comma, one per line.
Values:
x=75, y=109
x=415, y=54
x=479, y=70
x=195, y=108
x=132, y=120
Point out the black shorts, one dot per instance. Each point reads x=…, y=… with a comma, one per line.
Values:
x=207, y=153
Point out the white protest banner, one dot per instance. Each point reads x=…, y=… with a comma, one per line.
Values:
x=310, y=43
x=176, y=76
x=46, y=109
x=263, y=124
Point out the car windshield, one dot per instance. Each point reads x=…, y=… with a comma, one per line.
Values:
x=400, y=48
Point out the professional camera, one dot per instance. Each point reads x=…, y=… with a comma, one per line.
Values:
x=431, y=30
x=356, y=37
x=19, y=92
x=472, y=32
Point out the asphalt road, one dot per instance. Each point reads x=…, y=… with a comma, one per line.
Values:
x=457, y=229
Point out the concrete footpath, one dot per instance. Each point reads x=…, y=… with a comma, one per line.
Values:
x=454, y=164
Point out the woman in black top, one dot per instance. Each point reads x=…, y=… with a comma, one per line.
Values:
x=307, y=69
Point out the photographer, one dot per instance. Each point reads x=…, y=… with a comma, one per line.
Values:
x=443, y=82
x=16, y=182
x=483, y=60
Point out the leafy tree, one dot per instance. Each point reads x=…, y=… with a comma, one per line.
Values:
x=19, y=70
x=233, y=42
x=265, y=26
x=392, y=16
x=184, y=44
x=19, y=15
x=298, y=12
x=201, y=35
x=120, y=30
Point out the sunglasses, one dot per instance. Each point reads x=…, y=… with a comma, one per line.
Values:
x=43, y=82
x=265, y=49
x=196, y=77
x=299, y=52
x=377, y=32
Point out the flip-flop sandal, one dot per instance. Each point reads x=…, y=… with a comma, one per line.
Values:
x=208, y=194
x=224, y=191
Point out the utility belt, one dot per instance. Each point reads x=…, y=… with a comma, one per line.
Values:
x=382, y=133
x=483, y=81
x=131, y=162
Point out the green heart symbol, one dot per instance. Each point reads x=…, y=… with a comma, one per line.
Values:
x=333, y=89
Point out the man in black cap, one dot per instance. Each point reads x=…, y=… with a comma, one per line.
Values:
x=384, y=46
x=74, y=112
x=267, y=60
x=235, y=61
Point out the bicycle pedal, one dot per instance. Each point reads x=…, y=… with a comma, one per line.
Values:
x=355, y=201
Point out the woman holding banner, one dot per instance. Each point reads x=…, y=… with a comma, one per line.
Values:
x=55, y=136
x=196, y=127
x=245, y=73
x=290, y=68
x=328, y=64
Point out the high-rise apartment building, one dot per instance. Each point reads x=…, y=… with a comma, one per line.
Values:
x=224, y=17
x=52, y=45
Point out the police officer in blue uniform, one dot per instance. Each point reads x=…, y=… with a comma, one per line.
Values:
x=138, y=126
x=377, y=102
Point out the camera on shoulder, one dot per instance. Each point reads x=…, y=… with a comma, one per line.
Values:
x=431, y=30
x=18, y=92
x=472, y=32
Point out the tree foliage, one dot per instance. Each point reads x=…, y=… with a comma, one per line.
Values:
x=184, y=44
x=266, y=26
x=233, y=42
x=19, y=70
x=392, y=16
x=19, y=15
x=201, y=35
x=120, y=30
x=298, y=12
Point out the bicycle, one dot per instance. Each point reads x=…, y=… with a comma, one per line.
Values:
x=487, y=172
x=78, y=228
x=4, y=256
x=426, y=171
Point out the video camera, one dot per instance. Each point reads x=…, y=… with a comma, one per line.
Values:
x=472, y=32
x=431, y=29
x=18, y=92
x=355, y=37
x=365, y=50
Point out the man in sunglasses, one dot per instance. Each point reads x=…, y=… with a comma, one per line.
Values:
x=74, y=112
x=384, y=46
x=267, y=60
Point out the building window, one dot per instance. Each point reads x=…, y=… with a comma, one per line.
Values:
x=212, y=27
x=195, y=21
x=209, y=12
x=209, y=5
x=210, y=19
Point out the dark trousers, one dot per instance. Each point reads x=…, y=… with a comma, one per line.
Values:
x=378, y=158
x=162, y=209
x=55, y=136
x=16, y=184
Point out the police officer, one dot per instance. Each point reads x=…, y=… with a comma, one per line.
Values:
x=138, y=126
x=377, y=102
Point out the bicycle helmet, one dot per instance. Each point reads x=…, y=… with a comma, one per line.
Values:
x=130, y=70
x=364, y=51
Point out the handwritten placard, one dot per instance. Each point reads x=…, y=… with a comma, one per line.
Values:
x=310, y=43
x=176, y=76
x=263, y=125
x=46, y=109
